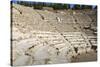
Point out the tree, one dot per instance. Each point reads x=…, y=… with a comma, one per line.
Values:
x=77, y=7
x=87, y=7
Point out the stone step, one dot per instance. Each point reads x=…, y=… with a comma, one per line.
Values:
x=92, y=37
x=55, y=43
x=79, y=45
x=78, y=42
x=73, y=37
x=71, y=34
x=75, y=40
x=59, y=46
x=93, y=42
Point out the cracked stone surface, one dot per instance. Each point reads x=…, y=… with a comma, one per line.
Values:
x=48, y=37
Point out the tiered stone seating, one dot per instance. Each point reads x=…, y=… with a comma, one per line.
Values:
x=57, y=38
x=77, y=40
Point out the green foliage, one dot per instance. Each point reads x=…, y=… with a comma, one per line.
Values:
x=65, y=6
x=55, y=6
x=87, y=7
x=38, y=7
x=25, y=3
x=77, y=7
x=60, y=6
